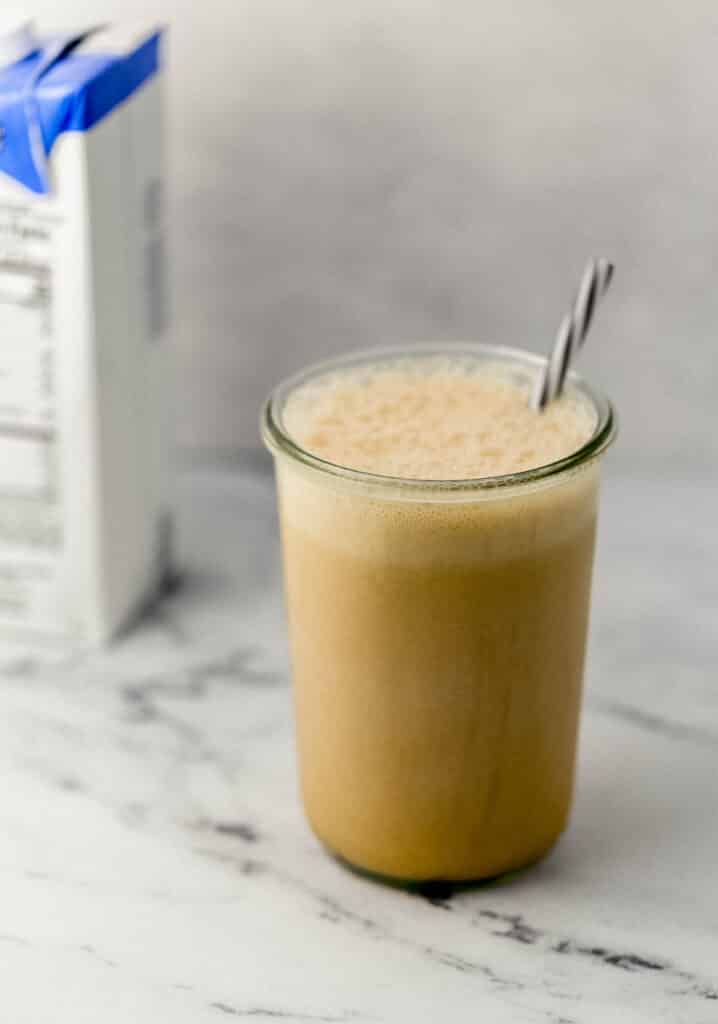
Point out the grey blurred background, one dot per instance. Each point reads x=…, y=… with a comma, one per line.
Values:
x=349, y=173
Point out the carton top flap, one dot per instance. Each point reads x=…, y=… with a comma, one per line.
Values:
x=69, y=84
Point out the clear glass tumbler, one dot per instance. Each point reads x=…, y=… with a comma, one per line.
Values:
x=437, y=631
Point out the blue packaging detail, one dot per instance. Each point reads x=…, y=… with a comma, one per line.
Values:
x=52, y=91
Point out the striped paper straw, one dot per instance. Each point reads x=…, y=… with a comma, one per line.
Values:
x=572, y=332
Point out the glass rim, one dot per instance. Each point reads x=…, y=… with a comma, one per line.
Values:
x=279, y=441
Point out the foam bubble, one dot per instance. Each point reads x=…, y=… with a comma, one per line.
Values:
x=433, y=419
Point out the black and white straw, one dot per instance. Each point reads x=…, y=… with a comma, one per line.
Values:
x=572, y=332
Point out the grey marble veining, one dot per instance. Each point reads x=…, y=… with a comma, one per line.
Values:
x=155, y=865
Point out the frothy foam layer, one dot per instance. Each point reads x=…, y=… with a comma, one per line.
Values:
x=433, y=419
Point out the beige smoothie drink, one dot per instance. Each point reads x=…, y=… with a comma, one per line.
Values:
x=438, y=539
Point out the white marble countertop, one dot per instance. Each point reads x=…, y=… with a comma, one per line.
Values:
x=155, y=865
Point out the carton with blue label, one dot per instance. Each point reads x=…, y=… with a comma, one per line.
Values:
x=84, y=515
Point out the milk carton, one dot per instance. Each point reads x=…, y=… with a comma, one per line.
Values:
x=84, y=515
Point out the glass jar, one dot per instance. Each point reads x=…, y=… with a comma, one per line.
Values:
x=438, y=630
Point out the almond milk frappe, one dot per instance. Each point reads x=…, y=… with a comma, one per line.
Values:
x=438, y=537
